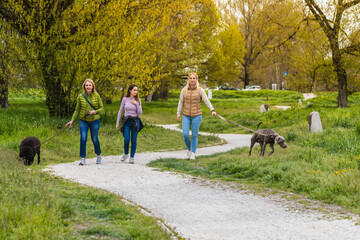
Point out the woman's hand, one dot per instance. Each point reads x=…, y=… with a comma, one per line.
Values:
x=92, y=112
x=69, y=124
x=117, y=126
x=213, y=113
x=178, y=117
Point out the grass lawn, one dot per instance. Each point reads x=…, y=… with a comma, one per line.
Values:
x=323, y=166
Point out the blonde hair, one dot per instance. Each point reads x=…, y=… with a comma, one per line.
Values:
x=188, y=84
x=92, y=83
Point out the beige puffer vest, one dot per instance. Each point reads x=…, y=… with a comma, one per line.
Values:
x=192, y=103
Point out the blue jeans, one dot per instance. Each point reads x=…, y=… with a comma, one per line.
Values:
x=129, y=129
x=195, y=125
x=94, y=130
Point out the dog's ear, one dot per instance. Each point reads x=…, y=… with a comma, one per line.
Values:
x=279, y=139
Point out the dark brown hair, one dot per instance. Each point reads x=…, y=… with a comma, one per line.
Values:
x=128, y=92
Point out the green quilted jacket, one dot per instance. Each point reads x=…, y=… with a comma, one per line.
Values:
x=82, y=107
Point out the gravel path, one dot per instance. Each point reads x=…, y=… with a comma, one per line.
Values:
x=199, y=209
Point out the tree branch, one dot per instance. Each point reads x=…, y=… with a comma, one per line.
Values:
x=320, y=17
x=291, y=35
x=351, y=49
x=350, y=4
x=338, y=15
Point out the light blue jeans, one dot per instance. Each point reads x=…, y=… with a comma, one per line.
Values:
x=94, y=130
x=194, y=122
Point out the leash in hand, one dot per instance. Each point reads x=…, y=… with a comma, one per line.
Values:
x=88, y=113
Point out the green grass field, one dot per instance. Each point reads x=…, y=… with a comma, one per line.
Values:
x=35, y=205
x=323, y=166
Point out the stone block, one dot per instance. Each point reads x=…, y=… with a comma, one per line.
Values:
x=314, y=122
x=264, y=108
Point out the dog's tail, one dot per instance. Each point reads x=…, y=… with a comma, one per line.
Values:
x=258, y=125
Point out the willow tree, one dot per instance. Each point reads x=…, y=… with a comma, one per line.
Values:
x=336, y=28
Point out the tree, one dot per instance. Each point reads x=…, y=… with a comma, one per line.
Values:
x=187, y=47
x=224, y=63
x=264, y=24
x=148, y=43
x=4, y=84
x=336, y=31
x=114, y=42
x=352, y=63
x=117, y=49
x=308, y=65
x=15, y=69
x=37, y=21
x=74, y=40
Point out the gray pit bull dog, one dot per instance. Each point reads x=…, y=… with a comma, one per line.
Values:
x=264, y=137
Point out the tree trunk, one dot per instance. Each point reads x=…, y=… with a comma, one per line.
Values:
x=246, y=78
x=342, y=78
x=162, y=92
x=56, y=97
x=149, y=97
x=4, y=92
x=342, y=87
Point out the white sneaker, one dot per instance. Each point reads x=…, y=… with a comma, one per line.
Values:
x=192, y=157
x=188, y=154
x=124, y=157
x=131, y=160
x=82, y=161
x=98, y=159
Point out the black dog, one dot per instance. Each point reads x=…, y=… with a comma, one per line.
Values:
x=29, y=147
x=264, y=137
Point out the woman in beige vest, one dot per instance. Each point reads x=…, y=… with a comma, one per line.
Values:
x=190, y=98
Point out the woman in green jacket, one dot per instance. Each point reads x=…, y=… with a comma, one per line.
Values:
x=88, y=107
